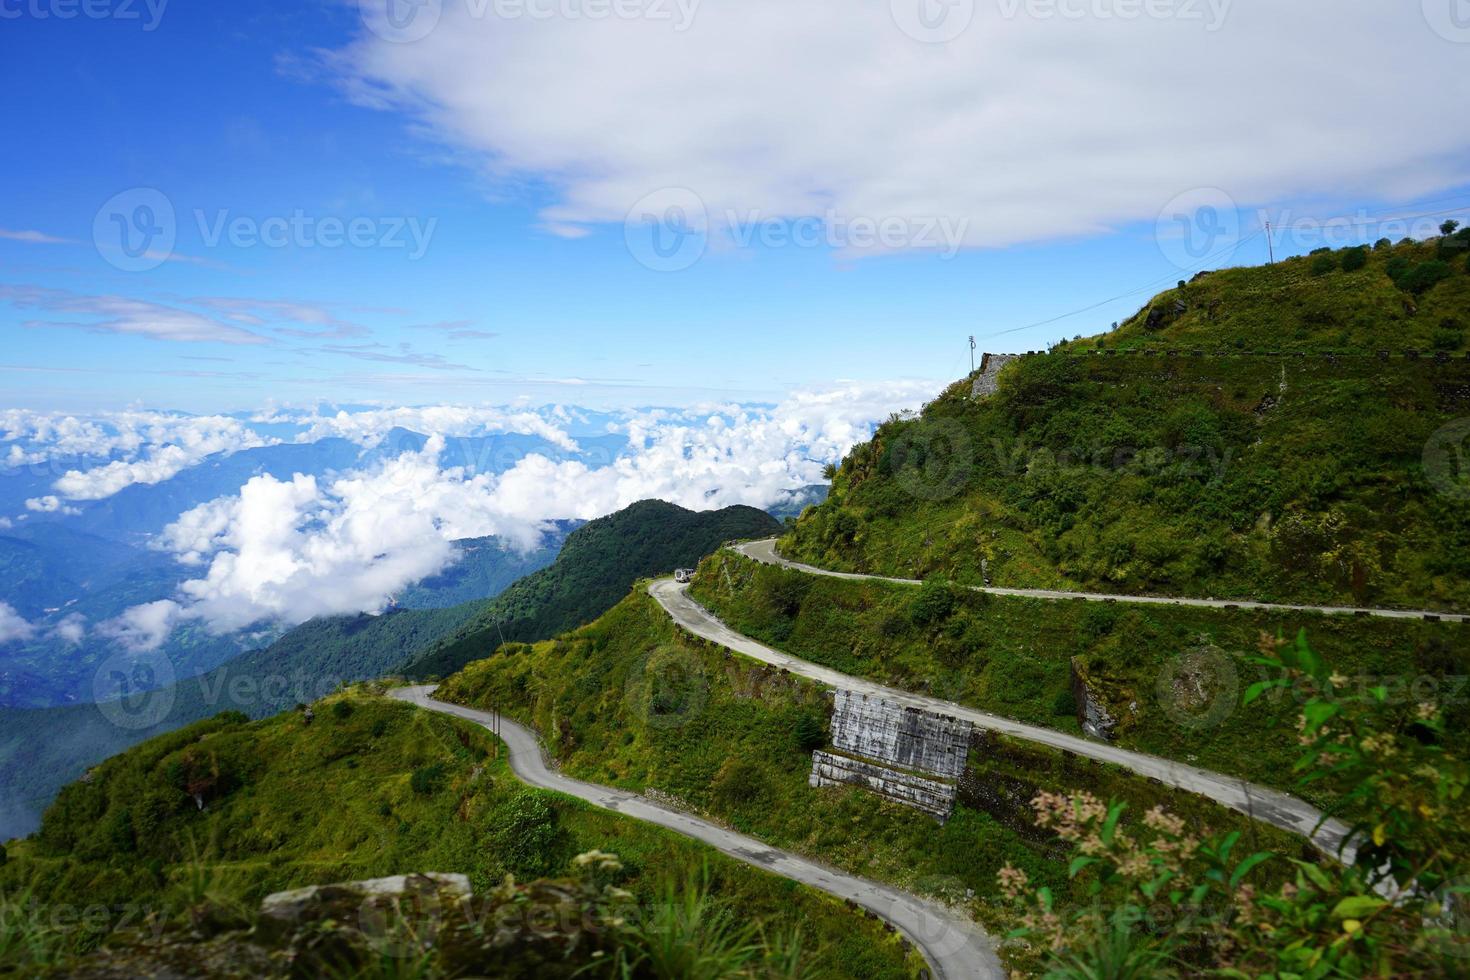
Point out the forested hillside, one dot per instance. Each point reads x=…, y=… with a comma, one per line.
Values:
x=1240, y=437
x=596, y=567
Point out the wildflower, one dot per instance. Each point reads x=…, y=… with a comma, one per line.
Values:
x=1012, y=880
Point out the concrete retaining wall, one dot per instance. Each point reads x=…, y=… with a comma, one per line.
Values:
x=891, y=733
x=929, y=795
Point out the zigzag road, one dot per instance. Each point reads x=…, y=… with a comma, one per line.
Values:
x=764, y=551
x=954, y=946
x=1258, y=802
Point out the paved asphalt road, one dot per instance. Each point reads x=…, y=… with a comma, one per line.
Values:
x=954, y=946
x=765, y=551
x=1257, y=802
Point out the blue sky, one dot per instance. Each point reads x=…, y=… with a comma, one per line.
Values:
x=527, y=288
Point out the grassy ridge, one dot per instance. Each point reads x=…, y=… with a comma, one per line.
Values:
x=372, y=787
x=632, y=701
x=1310, y=479
x=1013, y=656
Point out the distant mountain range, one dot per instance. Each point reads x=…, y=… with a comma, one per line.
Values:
x=43, y=749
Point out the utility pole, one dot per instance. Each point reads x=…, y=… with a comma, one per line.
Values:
x=1270, y=245
x=972, y=353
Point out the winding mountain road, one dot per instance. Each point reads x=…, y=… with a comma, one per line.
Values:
x=954, y=946
x=1255, y=801
x=764, y=551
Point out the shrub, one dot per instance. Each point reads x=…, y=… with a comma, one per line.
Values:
x=342, y=710
x=1382, y=244
x=1324, y=250
x=1447, y=339
x=811, y=732
x=1398, y=267
x=1324, y=263
x=934, y=603
x=1065, y=704
x=738, y=781
x=1425, y=276
x=1448, y=228
x=426, y=781
x=1354, y=259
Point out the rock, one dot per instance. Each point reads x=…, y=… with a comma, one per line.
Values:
x=283, y=912
x=1092, y=714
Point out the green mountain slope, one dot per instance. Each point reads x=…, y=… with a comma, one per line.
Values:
x=597, y=565
x=196, y=826
x=631, y=700
x=1241, y=472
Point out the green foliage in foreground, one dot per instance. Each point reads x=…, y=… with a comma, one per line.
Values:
x=287, y=803
x=1185, y=904
x=595, y=568
x=1171, y=675
x=632, y=702
x=1296, y=479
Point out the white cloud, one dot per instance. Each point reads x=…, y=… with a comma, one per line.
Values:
x=5, y=523
x=144, y=627
x=71, y=629
x=13, y=626
x=34, y=237
x=124, y=315
x=1026, y=127
x=49, y=505
x=368, y=427
x=285, y=551
x=153, y=447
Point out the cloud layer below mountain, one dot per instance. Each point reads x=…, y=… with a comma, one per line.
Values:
x=282, y=551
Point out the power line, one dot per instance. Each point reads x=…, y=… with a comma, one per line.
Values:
x=1231, y=248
